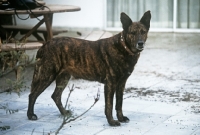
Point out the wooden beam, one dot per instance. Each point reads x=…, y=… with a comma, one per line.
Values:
x=48, y=21
x=32, y=30
x=14, y=46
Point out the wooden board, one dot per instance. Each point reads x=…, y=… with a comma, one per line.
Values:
x=27, y=28
x=96, y=35
x=51, y=9
x=106, y=35
x=26, y=46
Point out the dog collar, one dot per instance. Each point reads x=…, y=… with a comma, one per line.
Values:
x=124, y=45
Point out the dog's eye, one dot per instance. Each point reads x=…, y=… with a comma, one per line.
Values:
x=133, y=33
x=142, y=32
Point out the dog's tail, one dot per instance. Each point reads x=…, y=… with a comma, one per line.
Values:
x=47, y=48
x=44, y=72
x=41, y=52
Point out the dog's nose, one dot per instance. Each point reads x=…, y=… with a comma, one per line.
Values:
x=140, y=43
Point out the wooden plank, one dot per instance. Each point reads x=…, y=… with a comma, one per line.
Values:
x=106, y=35
x=83, y=34
x=87, y=35
x=51, y=9
x=94, y=35
x=26, y=46
x=32, y=30
x=26, y=28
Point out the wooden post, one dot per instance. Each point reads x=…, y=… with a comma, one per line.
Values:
x=48, y=21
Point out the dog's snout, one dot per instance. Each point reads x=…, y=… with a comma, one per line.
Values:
x=140, y=43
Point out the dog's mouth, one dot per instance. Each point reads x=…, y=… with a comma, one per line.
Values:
x=139, y=48
x=140, y=45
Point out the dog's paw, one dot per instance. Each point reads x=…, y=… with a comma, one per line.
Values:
x=124, y=119
x=114, y=123
x=32, y=117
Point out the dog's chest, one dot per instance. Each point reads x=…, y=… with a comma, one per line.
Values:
x=123, y=65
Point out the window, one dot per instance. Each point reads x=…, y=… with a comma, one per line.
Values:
x=188, y=14
x=167, y=15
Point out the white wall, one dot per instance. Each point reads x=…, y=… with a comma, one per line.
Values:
x=91, y=15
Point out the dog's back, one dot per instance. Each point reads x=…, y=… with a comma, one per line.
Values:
x=80, y=58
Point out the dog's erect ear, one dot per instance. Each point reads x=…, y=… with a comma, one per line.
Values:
x=146, y=19
x=126, y=21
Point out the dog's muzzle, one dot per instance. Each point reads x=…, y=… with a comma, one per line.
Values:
x=140, y=45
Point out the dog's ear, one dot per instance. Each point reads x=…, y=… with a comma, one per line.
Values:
x=146, y=19
x=126, y=21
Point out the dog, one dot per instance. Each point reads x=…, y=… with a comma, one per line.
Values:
x=109, y=61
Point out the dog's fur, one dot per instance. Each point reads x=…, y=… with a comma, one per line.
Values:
x=109, y=61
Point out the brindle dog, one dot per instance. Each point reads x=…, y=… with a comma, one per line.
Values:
x=109, y=61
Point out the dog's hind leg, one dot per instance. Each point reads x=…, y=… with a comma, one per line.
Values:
x=62, y=80
x=44, y=75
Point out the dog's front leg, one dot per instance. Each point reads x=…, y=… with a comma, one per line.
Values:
x=119, y=102
x=109, y=90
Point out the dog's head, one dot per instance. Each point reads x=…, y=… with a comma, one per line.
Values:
x=135, y=33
